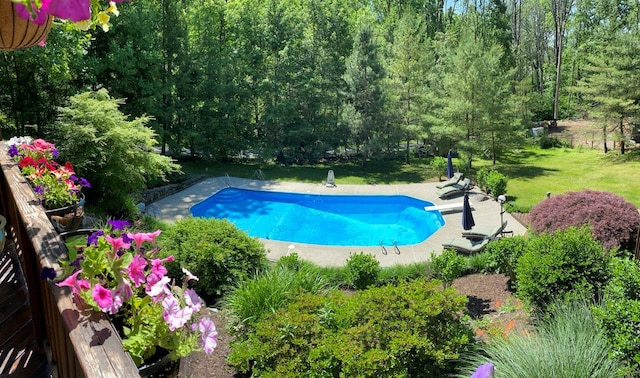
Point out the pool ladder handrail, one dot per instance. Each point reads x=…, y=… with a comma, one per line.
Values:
x=227, y=180
x=384, y=250
x=395, y=248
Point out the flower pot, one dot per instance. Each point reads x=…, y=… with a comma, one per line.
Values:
x=67, y=218
x=160, y=365
x=17, y=33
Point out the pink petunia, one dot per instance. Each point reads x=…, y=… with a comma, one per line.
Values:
x=192, y=299
x=74, y=283
x=209, y=335
x=117, y=243
x=116, y=303
x=189, y=276
x=157, y=266
x=175, y=316
x=103, y=297
x=157, y=287
x=125, y=290
x=136, y=270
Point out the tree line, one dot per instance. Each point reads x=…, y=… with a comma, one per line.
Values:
x=298, y=78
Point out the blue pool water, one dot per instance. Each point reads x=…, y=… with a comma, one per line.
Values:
x=344, y=220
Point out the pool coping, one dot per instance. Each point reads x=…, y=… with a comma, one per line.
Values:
x=486, y=211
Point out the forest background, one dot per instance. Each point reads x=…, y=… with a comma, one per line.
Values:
x=298, y=78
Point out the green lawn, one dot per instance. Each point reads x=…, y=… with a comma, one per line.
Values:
x=532, y=172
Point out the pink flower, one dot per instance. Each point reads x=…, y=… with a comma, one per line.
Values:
x=157, y=287
x=175, y=316
x=103, y=297
x=117, y=243
x=192, y=299
x=136, y=270
x=189, y=276
x=139, y=238
x=116, y=304
x=74, y=10
x=157, y=266
x=125, y=290
x=74, y=283
x=209, y=335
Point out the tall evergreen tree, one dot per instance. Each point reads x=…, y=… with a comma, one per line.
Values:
x=364, y=77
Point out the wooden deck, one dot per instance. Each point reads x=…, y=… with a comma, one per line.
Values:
x=18, y=354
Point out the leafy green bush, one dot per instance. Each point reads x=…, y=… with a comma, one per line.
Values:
x=114, y=153
x=570, y=344
x=482, y=176
x=215, y=250
x=546, y=142
x=363, y=270
x=414, y=329
x=479, y=263
x=504, y=254
x=567, y=264
x=252, y=300
x=439, y=164
x=448, y=265
x=402, y=273
x=619, y=313
x=496, y=183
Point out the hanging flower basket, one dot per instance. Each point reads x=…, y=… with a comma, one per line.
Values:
x=16, y=33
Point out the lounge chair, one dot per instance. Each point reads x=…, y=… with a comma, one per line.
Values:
x=482, y=232
x=452, y=181
x=464, y=245
x=454, y=189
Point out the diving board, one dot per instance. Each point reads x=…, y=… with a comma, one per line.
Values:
x=445, y=208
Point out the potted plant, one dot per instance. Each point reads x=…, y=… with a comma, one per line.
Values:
x=17, y=32
x=25, y=23
x=57, y=186
x=119, y=273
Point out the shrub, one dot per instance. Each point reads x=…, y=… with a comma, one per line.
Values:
x=115, y=152
x=613, y=219
x=619, y=313
x=479, y=263
x=482, y=177
x=448, y=265
x=545, y=142
x=267, y=292
x=568, y=264
x=363, y=270
x=215, y=250
x=402, y=273
x=439, y=164
x=504, y=254
x=410, y=330
x=497, y=183
x=570, y=344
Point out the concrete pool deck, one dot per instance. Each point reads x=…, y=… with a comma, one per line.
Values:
x=485, y=212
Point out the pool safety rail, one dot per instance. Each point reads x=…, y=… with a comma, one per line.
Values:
x=384, y=249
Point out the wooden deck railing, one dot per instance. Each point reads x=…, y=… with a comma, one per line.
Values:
x=80, y=342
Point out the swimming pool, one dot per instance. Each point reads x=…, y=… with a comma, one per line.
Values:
x=342, y=220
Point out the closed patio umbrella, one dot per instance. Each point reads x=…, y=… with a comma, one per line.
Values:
x=467, y=216
x=449, y=165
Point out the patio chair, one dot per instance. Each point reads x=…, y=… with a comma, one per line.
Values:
x=482, y=232
x=455, y=189
x=466, y=246
x=452, y=181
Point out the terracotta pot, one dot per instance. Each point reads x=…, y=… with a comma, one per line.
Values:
x=17, y=33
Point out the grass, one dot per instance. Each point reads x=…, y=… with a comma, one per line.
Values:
x=570, y=345
x=532, y=172
x=375, y=173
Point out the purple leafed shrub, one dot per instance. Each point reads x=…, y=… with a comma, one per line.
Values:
x=613, y=219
